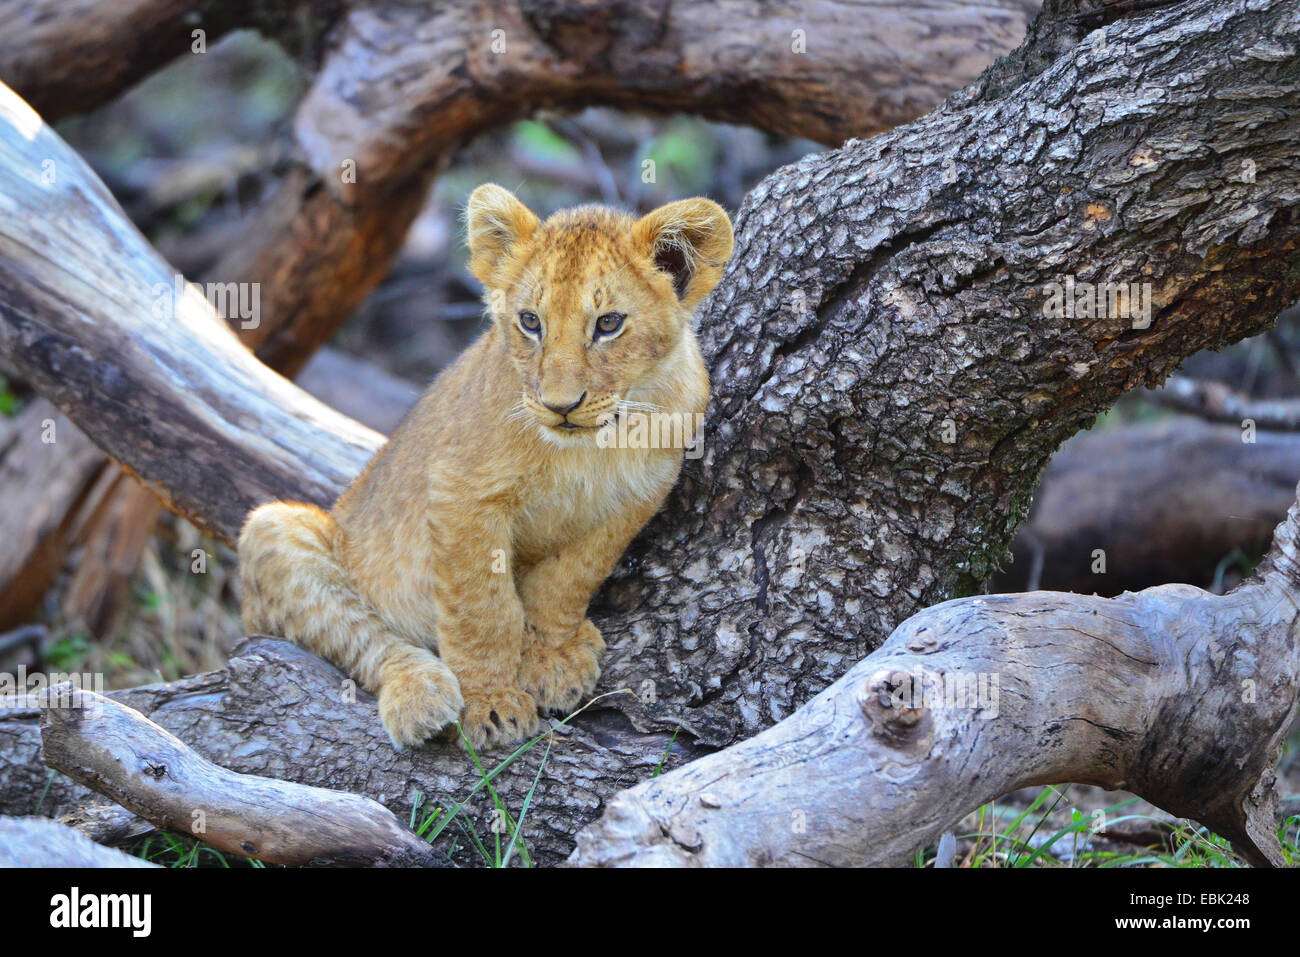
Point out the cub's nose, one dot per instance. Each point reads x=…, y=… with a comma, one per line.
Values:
x=564, y=408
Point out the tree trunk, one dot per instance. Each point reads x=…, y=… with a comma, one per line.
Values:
x=318, y=246
x=887, y=390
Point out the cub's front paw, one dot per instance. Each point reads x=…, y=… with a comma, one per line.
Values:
x=497, y=718
x=561, y=674
x=417, y=702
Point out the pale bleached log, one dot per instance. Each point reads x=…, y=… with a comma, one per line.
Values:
x=1172, y=693
x=1217, y=402
x=277, y=711
x=40, y=842
x=87, y=317
x=118, y=752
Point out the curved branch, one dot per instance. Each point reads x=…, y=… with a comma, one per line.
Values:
x=122, y=754
x=1216, y=402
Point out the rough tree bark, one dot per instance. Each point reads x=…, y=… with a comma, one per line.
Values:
x=877, y=292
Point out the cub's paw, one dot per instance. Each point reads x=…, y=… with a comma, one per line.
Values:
x=497, y=718
x=417, y=702
x=560, y=675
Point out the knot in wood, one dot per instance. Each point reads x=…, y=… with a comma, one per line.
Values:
x=892, y=703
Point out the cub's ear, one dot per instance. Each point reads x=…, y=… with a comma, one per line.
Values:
x=495, y=222
x=690, y=240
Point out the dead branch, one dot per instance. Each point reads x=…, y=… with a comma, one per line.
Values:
x=47, y=469
x=1173, y=693
x=276, y=711
x=120, y=753
x=40, y=842
x=117, y=360
x=1216, y=402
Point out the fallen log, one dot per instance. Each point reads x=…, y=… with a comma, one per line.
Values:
x=1216, y=402
x=113, y=533
x=40, y=842
x=1126, y=508
x=277, y=711
x=121, y=754
x=1176, y=694
x=104, y=360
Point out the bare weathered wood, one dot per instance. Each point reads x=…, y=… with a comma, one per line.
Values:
x=113, y=535
x=277, y=711
x=49, y=512
x=120, y=753
x=47, y=467
x=105, y=822
x=40, y=842
x=144, y=358
x=1176, y=694
x=373, y=130
x=67, y=56
x=1216, y=402
x=111, y=539
x=863, y=65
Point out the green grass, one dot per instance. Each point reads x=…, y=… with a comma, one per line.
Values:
x=181, y=850
x=447, y=812
x=10, y=406
x=68, y=652
x=1004, y=837
x=668, y=750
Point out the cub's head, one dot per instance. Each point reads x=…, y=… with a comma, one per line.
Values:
x=595, y=306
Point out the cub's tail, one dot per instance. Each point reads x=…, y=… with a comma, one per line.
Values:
x=295, y=586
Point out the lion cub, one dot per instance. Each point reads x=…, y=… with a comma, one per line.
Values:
x=485, y=525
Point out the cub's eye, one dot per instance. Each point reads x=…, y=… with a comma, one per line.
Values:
x=609, y=324
x=529, y=322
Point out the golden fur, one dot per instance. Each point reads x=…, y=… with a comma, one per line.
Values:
x=452, y=577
